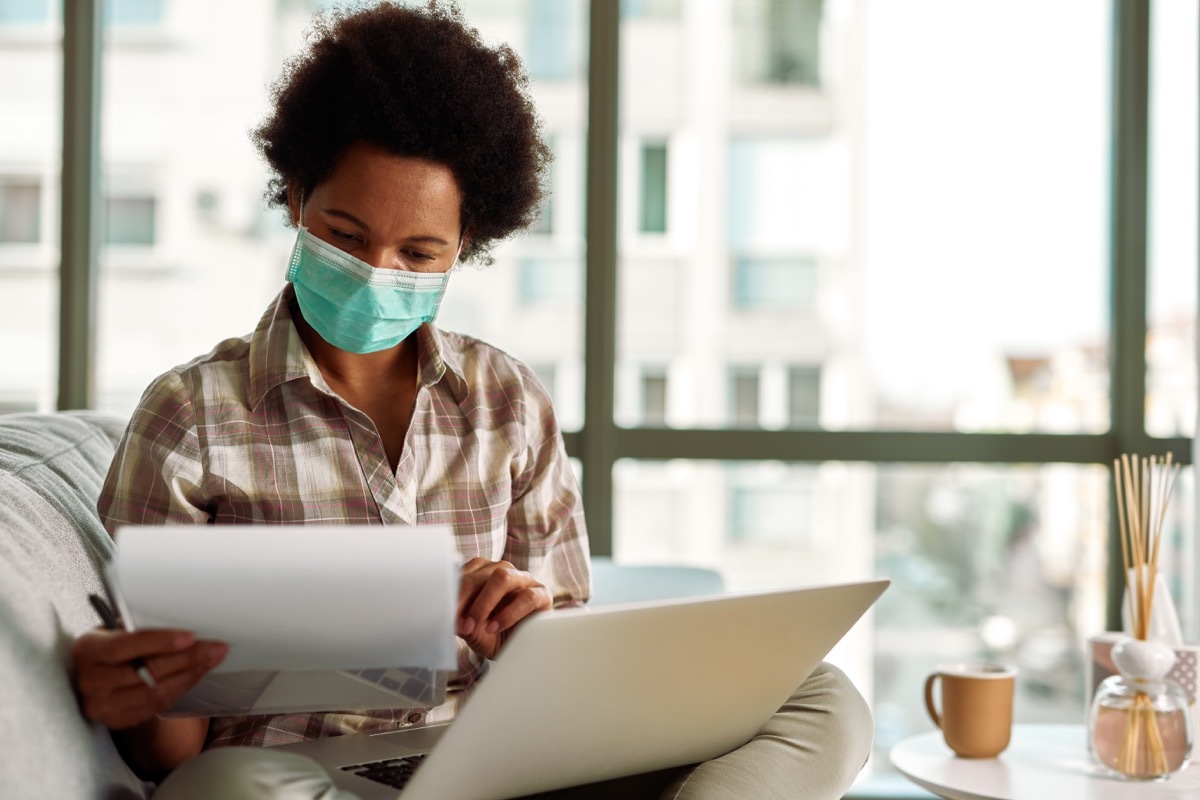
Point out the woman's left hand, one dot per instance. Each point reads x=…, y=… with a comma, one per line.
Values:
x=492, y=598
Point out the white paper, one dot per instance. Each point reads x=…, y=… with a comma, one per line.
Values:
x=288, y=691
x=287, y=597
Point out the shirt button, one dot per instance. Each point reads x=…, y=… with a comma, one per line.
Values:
x=414, y=718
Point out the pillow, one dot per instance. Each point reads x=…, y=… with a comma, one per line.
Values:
x=52, y=547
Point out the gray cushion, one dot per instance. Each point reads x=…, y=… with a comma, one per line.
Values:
x=52, y=547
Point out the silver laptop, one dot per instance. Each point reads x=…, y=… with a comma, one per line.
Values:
x=579, y=696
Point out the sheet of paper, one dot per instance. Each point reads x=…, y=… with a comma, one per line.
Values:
x=284, y=692
x=290, y=597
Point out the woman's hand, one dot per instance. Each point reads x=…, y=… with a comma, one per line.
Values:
x=106, y=672
x=493, y=597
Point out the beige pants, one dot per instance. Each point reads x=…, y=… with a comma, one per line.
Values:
x=812, y=748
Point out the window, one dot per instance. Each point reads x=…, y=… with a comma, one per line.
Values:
x=133, y=12
x=1171, y=387
x=804, y=397
x=654, y=397
x=833, y=260
x=650, y=9
x=130, y=220
x=743, y=397
x=548, y=281
x=779, y=514
x=775, y=284
x=20, y=210
x=653, y=218
x=555, y=44
x=544, y=224
x=779, y=41
x=24, y=12
x=546, y=374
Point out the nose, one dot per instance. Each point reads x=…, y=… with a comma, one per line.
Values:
x=381, y=258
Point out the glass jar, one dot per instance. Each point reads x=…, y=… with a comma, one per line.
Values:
x=1140, y=724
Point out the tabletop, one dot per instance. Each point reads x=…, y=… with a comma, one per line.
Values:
x=1049, y=762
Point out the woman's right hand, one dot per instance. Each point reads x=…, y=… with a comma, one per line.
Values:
x=106, y=675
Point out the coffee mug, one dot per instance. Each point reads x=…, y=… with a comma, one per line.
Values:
x=977, y=706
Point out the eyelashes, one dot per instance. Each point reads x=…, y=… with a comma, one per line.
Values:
x=348, y=241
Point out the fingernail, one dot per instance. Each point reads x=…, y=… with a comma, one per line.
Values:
x=183, y=640
x=468, y=625
x=492, y=627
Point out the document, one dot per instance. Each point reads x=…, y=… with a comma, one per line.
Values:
x=317, y=617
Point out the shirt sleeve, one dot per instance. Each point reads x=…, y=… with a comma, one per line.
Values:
x=547, y=535
x=156, y=474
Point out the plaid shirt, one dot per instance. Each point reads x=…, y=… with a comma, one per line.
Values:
x=252, y=433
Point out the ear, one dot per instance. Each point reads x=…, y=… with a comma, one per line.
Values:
x=293, y=204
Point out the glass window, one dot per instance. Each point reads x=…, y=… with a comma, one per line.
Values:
x=650, y=9
x=987, y=562
x=184, y=220
x=544, y=223
x=778, y=41
x=554, y=50
x=769, y=515
x=743, y=397
x=530, y=301
x=653, y=217
x=546, y=375
x=549, y=281
x=872, y=207
x=133, y=12
x=175, y=119
x=24, y=12
x=774, y=284
x=804, y=397
x=654, y=397
x=1171, y=387
x=130, y=220
x=30, y=155
x=20, y=210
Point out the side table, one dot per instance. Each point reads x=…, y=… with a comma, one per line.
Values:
x=1042, y=762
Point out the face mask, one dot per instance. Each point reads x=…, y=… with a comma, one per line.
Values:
x=354, y=306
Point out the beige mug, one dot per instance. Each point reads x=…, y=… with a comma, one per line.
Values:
x=977, y=706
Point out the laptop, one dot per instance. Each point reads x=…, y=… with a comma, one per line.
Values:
x=579, y=696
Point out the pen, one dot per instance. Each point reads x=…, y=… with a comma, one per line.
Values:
x=111, y=623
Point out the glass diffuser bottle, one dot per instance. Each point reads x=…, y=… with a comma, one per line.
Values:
x=1140, y=725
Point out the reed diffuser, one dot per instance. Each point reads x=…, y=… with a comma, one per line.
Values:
x=1140, y=725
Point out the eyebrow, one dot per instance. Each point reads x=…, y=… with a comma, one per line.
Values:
x=334, y=212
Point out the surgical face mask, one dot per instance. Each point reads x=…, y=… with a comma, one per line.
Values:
x=357, y=307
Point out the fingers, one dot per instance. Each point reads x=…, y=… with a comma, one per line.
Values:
x=495, y=596
x=118, y=647
x=106, y=678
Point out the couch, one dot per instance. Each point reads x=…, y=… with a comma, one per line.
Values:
x=52, y=547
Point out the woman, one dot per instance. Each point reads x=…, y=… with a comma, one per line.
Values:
x=400, y=144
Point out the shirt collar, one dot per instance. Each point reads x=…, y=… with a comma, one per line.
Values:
x=439, y=361
x=278, y=355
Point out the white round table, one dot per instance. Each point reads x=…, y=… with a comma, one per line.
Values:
x=1042, y=762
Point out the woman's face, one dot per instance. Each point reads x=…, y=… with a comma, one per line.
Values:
x=393, y=212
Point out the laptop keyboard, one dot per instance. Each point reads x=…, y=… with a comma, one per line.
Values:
x=422, y=687
x=393, y=772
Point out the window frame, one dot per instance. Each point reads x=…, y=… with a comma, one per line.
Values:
x=601, y=442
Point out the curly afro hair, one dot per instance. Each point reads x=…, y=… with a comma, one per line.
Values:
x=418, y=82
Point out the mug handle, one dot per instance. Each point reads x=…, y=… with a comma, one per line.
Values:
x=933, y=714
